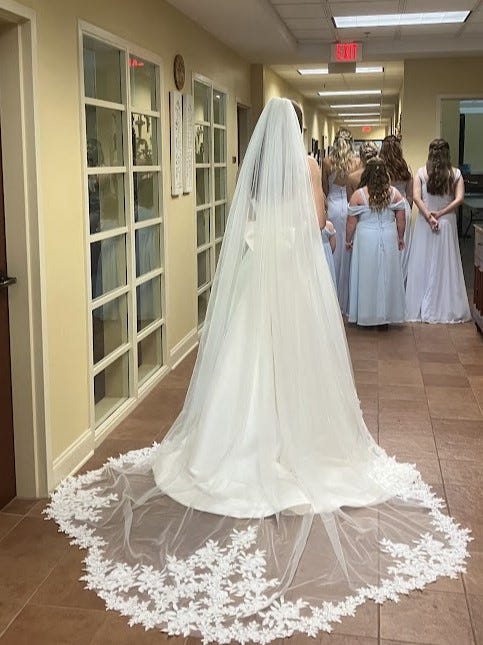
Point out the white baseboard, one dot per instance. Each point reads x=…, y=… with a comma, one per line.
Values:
x=183, y=348
x=82, y=448
x=72, y=458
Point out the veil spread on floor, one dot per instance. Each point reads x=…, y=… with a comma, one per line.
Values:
x=268, y=508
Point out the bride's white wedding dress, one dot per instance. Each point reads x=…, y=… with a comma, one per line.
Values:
x=268, y=508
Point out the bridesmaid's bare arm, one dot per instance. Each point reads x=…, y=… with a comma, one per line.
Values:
x=317, y=191
x=409, y=191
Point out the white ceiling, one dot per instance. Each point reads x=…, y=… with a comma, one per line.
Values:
x=287, y=34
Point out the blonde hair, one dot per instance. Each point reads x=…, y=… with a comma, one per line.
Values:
x=342, y=154
x=367, y=150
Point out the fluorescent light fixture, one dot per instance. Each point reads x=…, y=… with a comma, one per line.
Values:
x=354, y=105
x=361, y=121
x=376, y=69
x=350, y=93
x=401, y=19
x=315, y=70
x=344, y=114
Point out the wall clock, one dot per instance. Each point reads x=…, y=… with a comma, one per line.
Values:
x=179, y=71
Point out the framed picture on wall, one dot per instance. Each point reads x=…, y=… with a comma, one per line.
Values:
x=176, y=123
x=188, y=143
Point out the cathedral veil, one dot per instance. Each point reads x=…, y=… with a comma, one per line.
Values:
x=268, y=509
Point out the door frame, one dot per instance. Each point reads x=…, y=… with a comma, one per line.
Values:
x=25, y=248
x=249, y=127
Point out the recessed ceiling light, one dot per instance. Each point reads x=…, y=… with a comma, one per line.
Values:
x=376, y=69
x=315, y=70
x=401, y=19
x=344, y=114
x=354, y=105
x=360, y=120
x=350, y=93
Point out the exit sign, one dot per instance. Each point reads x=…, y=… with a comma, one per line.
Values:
x=346, y=52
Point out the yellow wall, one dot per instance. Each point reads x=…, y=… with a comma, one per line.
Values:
x=274, y=86
x=424, y=81
x=376, y=133
x=450, y=126
x=155, y=26
x=314, y=121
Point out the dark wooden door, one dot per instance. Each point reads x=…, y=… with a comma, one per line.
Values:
x=7, y=457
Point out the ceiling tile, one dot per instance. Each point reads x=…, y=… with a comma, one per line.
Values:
x=429, y=30
x=306, y=23
x=473, y=30
x=293, y=2
x=367, y=32
x=313, y=34
x=475, y=16
x=416, y=6
x=338, y=8
x=301, y=10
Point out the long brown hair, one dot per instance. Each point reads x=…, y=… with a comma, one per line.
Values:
x=342, y=154
x=391, y=153
x=376, y=178
x=439, y=169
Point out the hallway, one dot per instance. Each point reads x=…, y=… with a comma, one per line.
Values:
x=421, y=389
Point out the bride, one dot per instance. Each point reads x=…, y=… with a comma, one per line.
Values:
x=268, y=509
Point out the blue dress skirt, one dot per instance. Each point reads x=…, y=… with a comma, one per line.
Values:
x=376, y=279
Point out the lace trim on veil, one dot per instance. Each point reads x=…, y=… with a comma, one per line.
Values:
x=207, y=582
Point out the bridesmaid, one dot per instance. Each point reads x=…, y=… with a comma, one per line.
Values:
x=375, y=233
x=436, y=291
x=402, y=179
x=336, y=169
x=328, y=234
x=368, y=150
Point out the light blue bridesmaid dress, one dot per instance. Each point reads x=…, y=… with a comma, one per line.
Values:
x=376, y=280
x=337, y=213
x=401, y=187
x=326, y=235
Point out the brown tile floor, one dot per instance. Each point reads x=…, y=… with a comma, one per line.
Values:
x=421, y=389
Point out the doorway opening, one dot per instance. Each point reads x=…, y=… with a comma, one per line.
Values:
x=7, y=449
x=243, y=130
x=23, y=251
x=461, y=124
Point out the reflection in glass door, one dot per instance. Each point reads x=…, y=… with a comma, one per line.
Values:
x=211, y=184
x=125, y=224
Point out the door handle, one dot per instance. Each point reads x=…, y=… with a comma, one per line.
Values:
x=6, y=281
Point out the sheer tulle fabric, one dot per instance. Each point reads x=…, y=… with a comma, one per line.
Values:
x=268, y=508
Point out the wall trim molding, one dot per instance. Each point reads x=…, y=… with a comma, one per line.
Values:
x=183, y=348
x=82, y=449
x=73, y=457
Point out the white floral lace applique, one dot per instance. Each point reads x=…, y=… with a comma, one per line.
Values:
x=212, y=590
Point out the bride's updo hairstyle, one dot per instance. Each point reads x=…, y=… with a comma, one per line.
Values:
x=342, y=154
x=376, y=178
x=439, y=169
x=368, y=150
